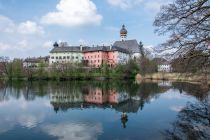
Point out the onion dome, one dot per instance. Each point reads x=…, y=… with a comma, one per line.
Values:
x=123, y=31
x=55, y=44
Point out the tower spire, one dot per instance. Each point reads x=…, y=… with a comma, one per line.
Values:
x=123, y=33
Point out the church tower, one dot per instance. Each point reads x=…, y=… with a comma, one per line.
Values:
x=123, y=33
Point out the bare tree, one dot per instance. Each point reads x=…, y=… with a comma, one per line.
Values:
x=4, y=65
x=188, y=24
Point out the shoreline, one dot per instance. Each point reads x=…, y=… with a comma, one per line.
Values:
x=174, y=77
x=178, y=77
x=76, y=78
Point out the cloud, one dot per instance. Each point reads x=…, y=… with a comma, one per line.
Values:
x=124, y=4
x=176, y=108
x=4, y=46
x=73, y=131
x=48, y=44
x=71, y=13
x=22, y=45
x=24, y=28
x=6, y=25
x=151, y=6
x=16, y=38
x=21, y=115
x=29, y=28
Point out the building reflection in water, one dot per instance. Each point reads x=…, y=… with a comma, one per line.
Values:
x=124, y=119
x=123, y=97
x=98, y=96
x=93, y=97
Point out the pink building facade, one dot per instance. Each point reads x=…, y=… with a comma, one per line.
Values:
x=97, y=56
x=96, y=96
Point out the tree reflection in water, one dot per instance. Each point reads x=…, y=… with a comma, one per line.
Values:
x=192, y=123
x=120, y=96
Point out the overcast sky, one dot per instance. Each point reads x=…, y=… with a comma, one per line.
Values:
x=29, y=27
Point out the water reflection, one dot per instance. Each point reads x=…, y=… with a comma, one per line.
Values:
x=92, y=110
x=192, y=123
x=72, y=131
x=118, y=97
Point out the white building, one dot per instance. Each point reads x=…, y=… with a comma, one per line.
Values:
x=131, y=46
x=122, y=56
x=34, y=62
x=124, y=49
x=66, y=54
x=164, y=67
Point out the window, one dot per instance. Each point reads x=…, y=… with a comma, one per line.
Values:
x=52, y=57
x=76, y=57
x=60, y=57
x=72, y=57
x=68, y=57
x=64, y=57
x=98, y=61
x=56, y=57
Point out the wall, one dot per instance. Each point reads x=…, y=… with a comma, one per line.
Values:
x=95, y=59
x=70, y=57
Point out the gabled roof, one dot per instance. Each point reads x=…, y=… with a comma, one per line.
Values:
x=32, y=60
x=66, y=49
x=87, y=49
x=115, y=48
x=106, y=49
x=130, y=45
x=98, y=48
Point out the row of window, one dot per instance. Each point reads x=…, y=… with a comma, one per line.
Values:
x=65, y=57
x=58, y=62
x=72, y=57
x=97, y=66
x=93, y=57
x=91, y=61
x=164, y=68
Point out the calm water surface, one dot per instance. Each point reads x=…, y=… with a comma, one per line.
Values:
x=92, y=110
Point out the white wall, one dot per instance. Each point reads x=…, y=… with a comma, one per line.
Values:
x=135, y=55
x=70, y=57
x=165, y=68
x=122, y=58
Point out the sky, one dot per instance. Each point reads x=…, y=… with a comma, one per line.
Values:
x=28, y=28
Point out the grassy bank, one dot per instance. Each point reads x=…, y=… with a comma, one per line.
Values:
x=73, y=76
x=15, y=71
x=184, y=77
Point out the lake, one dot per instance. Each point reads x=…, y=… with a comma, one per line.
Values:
x=85, y=110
